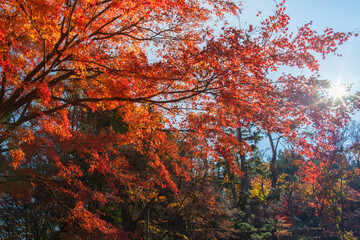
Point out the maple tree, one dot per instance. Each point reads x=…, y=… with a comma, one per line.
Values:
x=110, y=101
x=319, y=192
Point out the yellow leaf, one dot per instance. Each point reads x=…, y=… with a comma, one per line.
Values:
x=18, y=155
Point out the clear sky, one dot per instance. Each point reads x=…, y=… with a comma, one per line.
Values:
x=341, y=15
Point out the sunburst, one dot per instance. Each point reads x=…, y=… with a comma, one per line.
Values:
x=337, y=91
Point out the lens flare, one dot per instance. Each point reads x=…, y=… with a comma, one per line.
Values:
x=337, y=91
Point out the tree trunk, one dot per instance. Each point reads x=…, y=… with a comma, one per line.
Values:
x=273, y=167
x=244, y=198
x=147, y=223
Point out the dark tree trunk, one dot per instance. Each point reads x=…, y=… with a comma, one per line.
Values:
x=244, y=197
x=273, y=167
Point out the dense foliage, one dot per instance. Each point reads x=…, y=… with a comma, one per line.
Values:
x=136, y=120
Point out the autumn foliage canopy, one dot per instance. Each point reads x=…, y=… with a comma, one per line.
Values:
x=109, y=102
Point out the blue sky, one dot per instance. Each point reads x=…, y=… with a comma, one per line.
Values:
x=341, y=15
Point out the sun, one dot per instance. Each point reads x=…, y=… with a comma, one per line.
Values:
x=337, y=91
